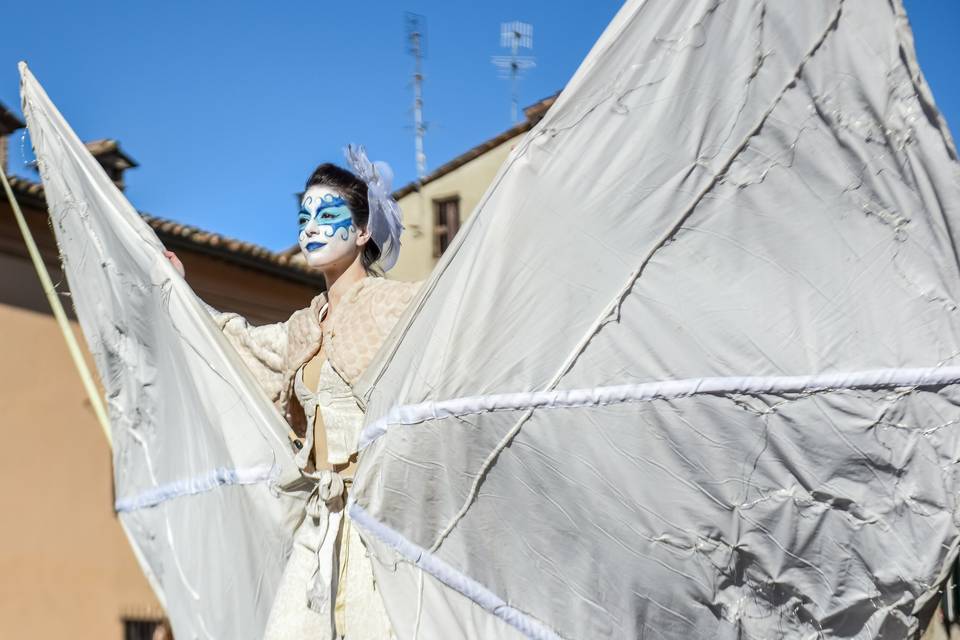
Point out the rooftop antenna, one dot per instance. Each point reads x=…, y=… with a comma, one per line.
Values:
x=416, y=46
x=515, y=36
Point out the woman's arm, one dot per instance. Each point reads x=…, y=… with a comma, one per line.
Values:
x=262, y=348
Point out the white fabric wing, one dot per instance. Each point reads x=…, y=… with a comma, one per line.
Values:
x=198, y=448
x=690, y=370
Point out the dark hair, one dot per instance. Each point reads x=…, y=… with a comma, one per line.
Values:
x=354, y=191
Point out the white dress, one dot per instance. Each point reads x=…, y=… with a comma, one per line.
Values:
x=328, y=589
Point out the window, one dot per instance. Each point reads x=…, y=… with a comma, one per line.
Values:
x=446, y=223
x=145, y=629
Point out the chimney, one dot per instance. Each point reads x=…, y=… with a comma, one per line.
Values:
x=8, y=124
x=536, y=111
x=108, y=153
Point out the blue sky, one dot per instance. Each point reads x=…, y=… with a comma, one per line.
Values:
x=228, y=106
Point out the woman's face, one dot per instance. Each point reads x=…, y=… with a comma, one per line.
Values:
x=327, y=233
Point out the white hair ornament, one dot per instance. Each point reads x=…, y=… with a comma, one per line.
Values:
x=384, y=225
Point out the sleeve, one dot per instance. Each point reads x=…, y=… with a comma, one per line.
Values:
x=262, y=348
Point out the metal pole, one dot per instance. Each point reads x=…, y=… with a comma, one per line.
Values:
x=418, y=103
x=514, y=73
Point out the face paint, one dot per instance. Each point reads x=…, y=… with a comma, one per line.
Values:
x=327, y=232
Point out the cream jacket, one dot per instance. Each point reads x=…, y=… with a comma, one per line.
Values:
x=355, y=331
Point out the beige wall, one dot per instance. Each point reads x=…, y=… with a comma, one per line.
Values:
x=66, y=568
x=469, y=182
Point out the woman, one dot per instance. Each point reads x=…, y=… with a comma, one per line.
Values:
x=349, y=229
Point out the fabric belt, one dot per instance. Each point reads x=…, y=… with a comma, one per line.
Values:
x=325, y=508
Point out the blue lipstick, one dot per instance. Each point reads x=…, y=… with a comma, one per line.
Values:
x=313, y=246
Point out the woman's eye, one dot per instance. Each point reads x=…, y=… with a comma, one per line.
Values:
x=327, y=216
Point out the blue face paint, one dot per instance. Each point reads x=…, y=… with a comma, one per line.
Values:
x=305, y=217
x=332, y=213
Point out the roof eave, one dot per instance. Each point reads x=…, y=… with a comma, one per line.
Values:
x=177, y=236
x=534, y=114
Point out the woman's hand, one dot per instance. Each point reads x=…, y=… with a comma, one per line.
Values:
x=175, y=261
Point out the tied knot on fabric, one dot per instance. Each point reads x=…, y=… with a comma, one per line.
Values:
x=325, y=508
x=327, y=496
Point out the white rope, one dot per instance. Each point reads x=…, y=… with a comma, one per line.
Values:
x=203, y=483
x=428, y=561
x=450, y=576
x=411, y=414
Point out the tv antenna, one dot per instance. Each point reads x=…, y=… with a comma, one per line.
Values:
x=416, y=46
x=515, y=36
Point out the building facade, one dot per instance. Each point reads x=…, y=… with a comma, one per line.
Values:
x=436, y=207
x=68, y=570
